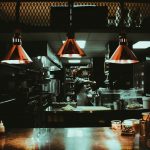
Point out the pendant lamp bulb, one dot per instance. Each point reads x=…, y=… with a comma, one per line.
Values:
x=17, y=39
x=123, y=39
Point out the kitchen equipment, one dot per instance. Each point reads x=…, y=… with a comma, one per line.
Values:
x=146, y=102
x=117, y=105
x=116, y=124
x=91, y=108
x=54, y=86
x=128, y=127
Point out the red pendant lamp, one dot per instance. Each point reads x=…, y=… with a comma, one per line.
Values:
x=70, y=49
x=123, y=54
x=17, y=54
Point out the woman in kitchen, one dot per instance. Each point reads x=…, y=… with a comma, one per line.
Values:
x=82, y=87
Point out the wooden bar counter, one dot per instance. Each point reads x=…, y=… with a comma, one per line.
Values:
x=103, y=138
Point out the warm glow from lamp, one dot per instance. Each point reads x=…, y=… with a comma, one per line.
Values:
x=81, y=43
x=71, y=49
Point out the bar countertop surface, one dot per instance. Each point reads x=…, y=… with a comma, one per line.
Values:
x=68, y=139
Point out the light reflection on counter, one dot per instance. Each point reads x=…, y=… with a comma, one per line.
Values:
x=67, y=139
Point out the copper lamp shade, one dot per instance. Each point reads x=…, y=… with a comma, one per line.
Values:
x=123, y=54
x=17, y=54
x=70, y=49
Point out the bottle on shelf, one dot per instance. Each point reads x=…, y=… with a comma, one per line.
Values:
x=2, y=127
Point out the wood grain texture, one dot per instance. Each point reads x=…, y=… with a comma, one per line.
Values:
x=67, y=139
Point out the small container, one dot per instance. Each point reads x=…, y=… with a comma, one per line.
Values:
x=116, y=124
x=2, y=128
x=146, y=102
x=142, y=128
x=116, y=105
x=127, y=127
x=146, y=116
x=136, y=124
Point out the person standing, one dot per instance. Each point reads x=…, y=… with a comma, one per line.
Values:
x=82, y=86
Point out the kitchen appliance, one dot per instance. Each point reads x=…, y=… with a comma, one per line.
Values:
x=146, y=102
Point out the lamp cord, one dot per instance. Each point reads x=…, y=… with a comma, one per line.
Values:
x=17, y=12
x=70, y=13
x=122, y=26
x=70, y=33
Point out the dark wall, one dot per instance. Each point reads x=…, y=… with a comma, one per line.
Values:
x=15, y=77
x=98, y=71
x=83, y=17
x=35, y=48
x=121, y=76
x=4, y=46
x=7, y=80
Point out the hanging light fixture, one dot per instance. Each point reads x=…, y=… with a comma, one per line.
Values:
x=17, y=54
x=123, y=54
x=70, y=48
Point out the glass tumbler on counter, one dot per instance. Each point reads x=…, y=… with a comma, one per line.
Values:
x=135, y=123
x=128, y=127
x=116, y=124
